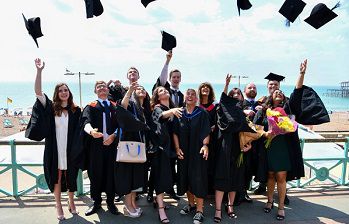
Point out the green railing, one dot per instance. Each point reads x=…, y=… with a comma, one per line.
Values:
x=321, y=173
x=14, y=167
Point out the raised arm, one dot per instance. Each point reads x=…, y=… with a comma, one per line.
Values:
x=302, y=70
x=164, y=73
x=227, y=81
x=39, y=68
x=128, y=94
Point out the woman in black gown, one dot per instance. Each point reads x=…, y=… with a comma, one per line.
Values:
x=191, y=139
x=61, y=117
x=162, y=115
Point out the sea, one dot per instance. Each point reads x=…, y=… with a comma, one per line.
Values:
x=23, y=96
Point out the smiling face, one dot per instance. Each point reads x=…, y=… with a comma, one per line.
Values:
x=191, y=98
x=101, y=89
x=140, y=92
x=205, y=91
x=132, y=75
x=175, y=78
x=278, y=96
x=63, y=93
x=251, y=90
x=163, y=94
x=272, y=86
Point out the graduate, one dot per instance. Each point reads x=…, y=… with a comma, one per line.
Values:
x=163, y=113
x=130, y=177
x=57, y=122
x=99, y=124
x=191, y=140
x=207, y=102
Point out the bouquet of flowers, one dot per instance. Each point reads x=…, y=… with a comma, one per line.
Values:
x=279, y=123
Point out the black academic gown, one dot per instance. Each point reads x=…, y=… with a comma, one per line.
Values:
x=160, y=165
x=230, y=121
x=130, y=176
x=212, y=112
x=45, y=115
x=191, y=130
x=100, y=158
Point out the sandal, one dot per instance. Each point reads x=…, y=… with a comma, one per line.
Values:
x=267, y=209
x=232, y=214
x=165, y=220
x=217, y=219
x=73, y=212
x=280, y=217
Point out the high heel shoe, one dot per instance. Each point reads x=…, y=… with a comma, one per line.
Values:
x=268, y=210
x=165, y=220
x=217, y=219
x=156, y=205
x=60, y=217
x=232, y=214
x=74, y=212
x=280, y=217
x=131, y=214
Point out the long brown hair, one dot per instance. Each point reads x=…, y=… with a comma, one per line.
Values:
x=57, y=103
x=155, y=98
x=211, y=95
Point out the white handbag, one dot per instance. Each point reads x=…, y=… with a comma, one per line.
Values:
x=130, y=151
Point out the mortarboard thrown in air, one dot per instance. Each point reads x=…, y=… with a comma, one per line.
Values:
x=244, y=5
x=274, y=77
x=34, y=28
x=93, y=8
x=168, y=41
x=146, y=2
x=320, y=15
x=291, y=10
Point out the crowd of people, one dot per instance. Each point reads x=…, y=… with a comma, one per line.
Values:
x=192, y=142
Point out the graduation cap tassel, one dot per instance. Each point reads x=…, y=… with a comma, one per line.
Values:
x=287, y=23
x=336, y=6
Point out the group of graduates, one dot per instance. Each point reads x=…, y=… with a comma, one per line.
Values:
x=192, y=142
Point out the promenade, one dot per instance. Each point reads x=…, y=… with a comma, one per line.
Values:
x=320, y=204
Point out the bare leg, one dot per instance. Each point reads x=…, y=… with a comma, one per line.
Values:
x=57, y=194
x=271, y=187
x=231, y=198
x=128, y=203
x=219, y=198
x=191, y=199
x=281, y=186
x=162, y=213
x=133, y=200
x=71, y=203
x=199, y=204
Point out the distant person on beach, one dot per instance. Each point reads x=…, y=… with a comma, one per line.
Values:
x=61, y=116
x=177, y=98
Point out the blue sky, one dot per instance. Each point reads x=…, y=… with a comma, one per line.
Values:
x=212, y=40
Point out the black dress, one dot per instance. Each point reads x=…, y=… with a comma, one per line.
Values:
x=191, y=130
x=229, y=175
x=46, y=115
x=130, y=176
x=160, y=165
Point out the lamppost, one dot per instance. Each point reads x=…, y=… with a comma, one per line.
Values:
x=240, y=76
x=78, y=73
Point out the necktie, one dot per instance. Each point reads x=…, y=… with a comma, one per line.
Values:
x=176, y=101
x=107, y=117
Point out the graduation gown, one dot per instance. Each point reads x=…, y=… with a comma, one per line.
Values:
x=230, y=120
x=191, y=130
x=160, y=165
x=130, y=176
x=294, y=152
x=211, y=109
x=42, y=126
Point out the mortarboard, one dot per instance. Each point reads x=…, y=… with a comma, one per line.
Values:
x=168, y=41
x=93, y=8
x=244, y=5
x=274, y=77
x=34, y=28
x=146, y=2
x=291, y=10
x=320, y=15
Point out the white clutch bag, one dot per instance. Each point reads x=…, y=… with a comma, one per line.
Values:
x=131, y=152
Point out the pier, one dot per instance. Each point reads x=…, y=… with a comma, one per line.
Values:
x=342, y=92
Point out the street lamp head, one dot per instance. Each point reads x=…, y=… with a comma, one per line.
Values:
x=89, y=73
x=69, y=73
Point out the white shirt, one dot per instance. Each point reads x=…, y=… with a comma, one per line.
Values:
x=61, y=125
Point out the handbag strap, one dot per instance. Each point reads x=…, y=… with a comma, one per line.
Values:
x=138, y=149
